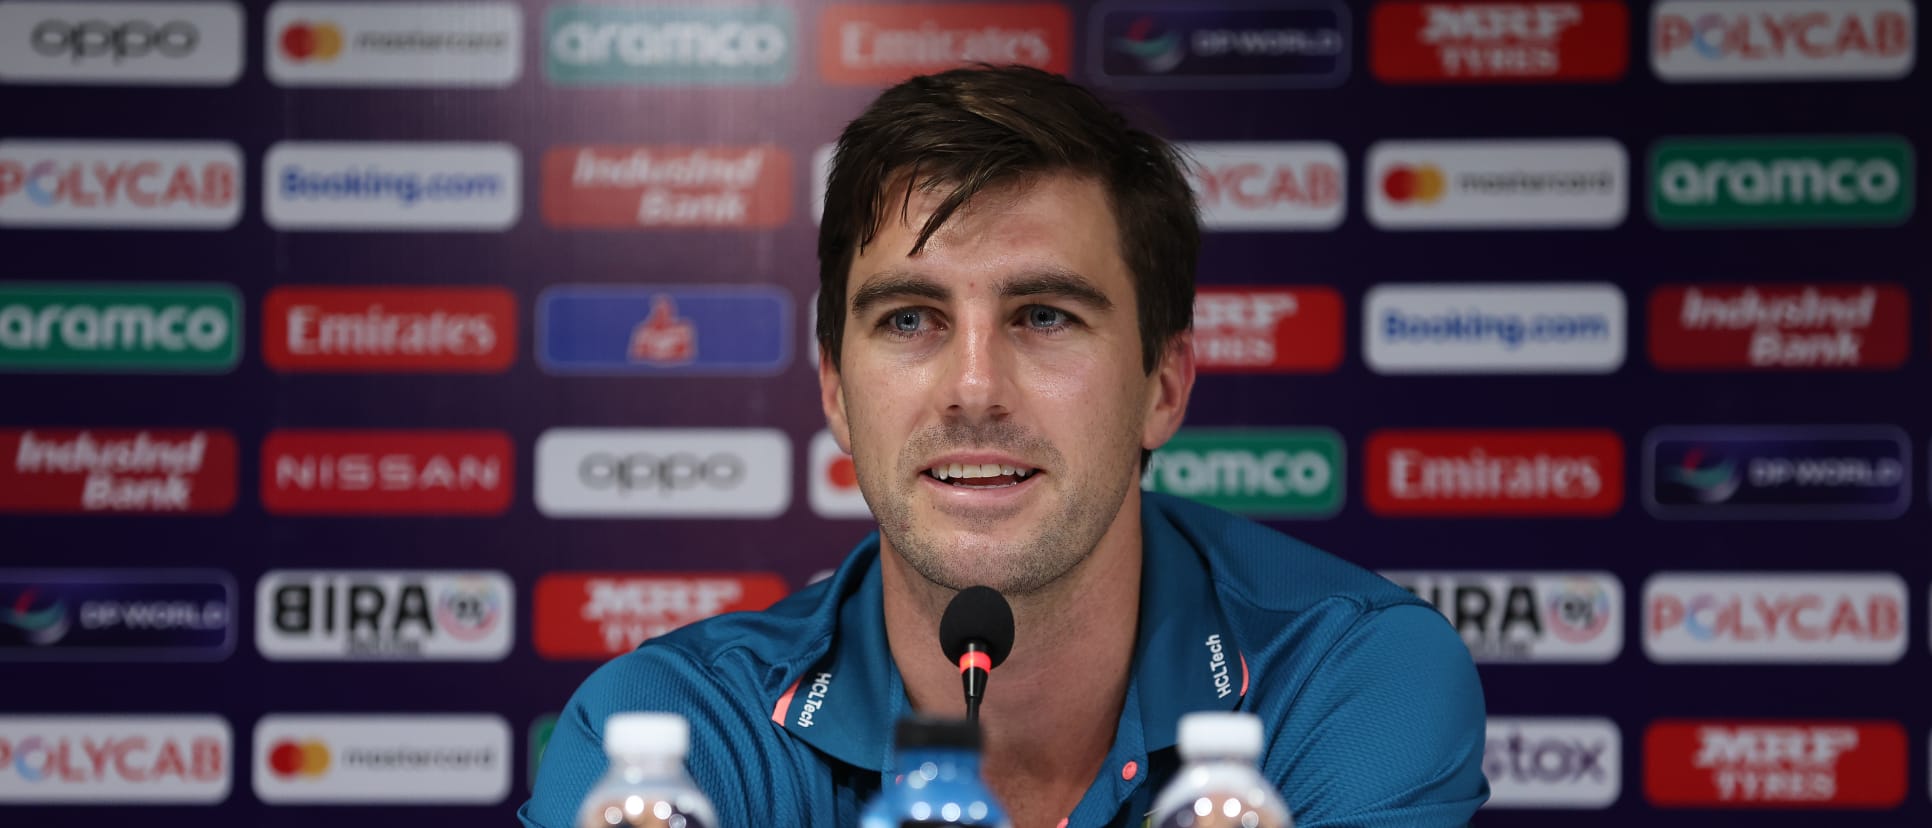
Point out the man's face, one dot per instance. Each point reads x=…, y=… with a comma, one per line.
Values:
x=991, y=389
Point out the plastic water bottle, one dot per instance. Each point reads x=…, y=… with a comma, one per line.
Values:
x=936, y=780
x=646, y=786
x=1219, y=785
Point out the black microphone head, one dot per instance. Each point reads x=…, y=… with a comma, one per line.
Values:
x=977, y=614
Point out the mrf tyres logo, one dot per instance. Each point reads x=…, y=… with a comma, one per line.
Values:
x=116, y=615
x=1443, y=473
x=596, y=615
x=117, y=471
x=1559, y=763
x=1499, y=42
x=1781, y=181
x=1774, y=764
x=1510, y=617
x=141, y=185
x=1694, y=41
x=1824, y=617
x=119, y=328
x=384, y=615
x=677, y=45
x=1267, y=330
x=1276, y=473
x=122, y=760
x=120, y=43
x=1164, y=44
x=1773, y=327
x=1859, y=472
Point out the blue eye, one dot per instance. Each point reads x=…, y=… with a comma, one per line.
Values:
x=1041, y=316
x=905, y=321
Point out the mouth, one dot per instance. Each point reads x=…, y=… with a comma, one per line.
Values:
x=980, y=475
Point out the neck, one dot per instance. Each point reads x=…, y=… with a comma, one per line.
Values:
x=1051, y=709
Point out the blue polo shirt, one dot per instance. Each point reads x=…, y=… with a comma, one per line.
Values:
x=1373, y=711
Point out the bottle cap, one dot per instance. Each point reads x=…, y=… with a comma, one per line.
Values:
x=924, y=732
x=647, y=734
x=1220, y=735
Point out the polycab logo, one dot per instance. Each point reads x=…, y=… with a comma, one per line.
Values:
x=1454, y=473
x=1267, y=473
x=1262, y=186
x=624, y=187
x=1468, y=185
x=91, y=760
x=117, y=471
x=1774, y=764
x=384, y=615
x=126, y=185
x=119, y=328
x=380, y=186
x=726, y=330
x=125, y=44
x=1779, y=327
x=1164, y=44
x=1809, y=617
x=1267, y=330
x=382, y=759
x=597, y=615
x=664, y=472
x=394, y=44
x=607, y=45
x=1781, y=181
x=1513, y=617
x=1777, y=472
x=1781, y=40
x=385, y=329
x=116, y=615
x=834, y=486
x=1499, y=42
x=1536, y=328
x=873, y=43
x=1543, y=762
x=370, y=472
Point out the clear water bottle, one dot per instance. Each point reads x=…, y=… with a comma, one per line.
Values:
x=936, y=780
x=646, y=786
x=1219, y=784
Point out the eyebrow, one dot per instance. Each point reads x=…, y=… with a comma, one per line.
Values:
x=1049, y=282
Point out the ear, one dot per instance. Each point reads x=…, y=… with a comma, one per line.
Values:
x=1168, y=391
x=831, y=396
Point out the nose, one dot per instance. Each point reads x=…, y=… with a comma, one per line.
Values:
x=979, y=382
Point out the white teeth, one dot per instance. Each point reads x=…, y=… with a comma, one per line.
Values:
x=1006, y=469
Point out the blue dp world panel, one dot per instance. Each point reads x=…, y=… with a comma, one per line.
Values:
x=116, y=615
x=1170, y=45
x=1778, y=472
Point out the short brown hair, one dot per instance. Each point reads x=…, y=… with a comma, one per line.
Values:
x=974, y=128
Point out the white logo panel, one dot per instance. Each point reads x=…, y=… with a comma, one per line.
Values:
x=663, y=473
x=124, y=44
x=1537, y=762
x=835, y=481
x=1467, y=185
x=385, y=615
x=1534, y=328
x=94, y=760
x=195, y=185
x=1507, y=617
x=423, y=759
x=1695, y=41
x=1837, y=618
x=380, y=186
x=1268, y=186
x=394, y=44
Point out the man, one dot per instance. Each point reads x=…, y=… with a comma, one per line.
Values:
x=1007, y=282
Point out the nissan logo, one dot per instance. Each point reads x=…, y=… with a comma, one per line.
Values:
x=98, y=38
x=678, y=471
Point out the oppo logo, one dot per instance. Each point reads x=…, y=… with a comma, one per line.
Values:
x=695, y=472
x=97, y=38
x=662, y=473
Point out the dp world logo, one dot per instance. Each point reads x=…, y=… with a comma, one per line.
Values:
x=40, y=621
x=1777, y=472
x=1706, y=476
x=1157, y=48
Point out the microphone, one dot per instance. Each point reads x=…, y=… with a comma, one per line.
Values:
x=977, y=633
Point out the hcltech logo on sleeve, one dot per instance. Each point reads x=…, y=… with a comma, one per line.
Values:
x=1536, y=328
x=1861, y=472
x=81, y=327
x=457, y=759
x=670, y=330
x=123, y=185
x=1263, y=473
x=116, y=615
x=385, y=615
x=122, y=44
x=1471, y=185
x=1500, y=42
x=115, y=760
x=377, y=186
x=1781, y=40
x=1271, y=44
x=1251, y=186
x=1543, y=762
x=1515, y=617
x=394, y=44
x=1791, y=182
x=612, y=45
x=664, y=473
x=1775, y=617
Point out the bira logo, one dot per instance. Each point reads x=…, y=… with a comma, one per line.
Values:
x=664, y=330
x=610, y=44
x=384, y=615
x=596, y=615
x=1541, y=762
x=470, y=330
x=1576, y=473
x=1695, y=41
x=1276, y=473
x=386, y=472
x=872, y=43
x=1774, y=765
x=183, y=185
x=623, y=187
x=1499, y=42
x=116, y=615
x=121, y=760
x=448, y=759
x=394, y=44
x=119, y=328
x=1859, y=472
x=1510, y=617
x=1267, y=330
x=1164, y=44
x=1779, y=327
x=1262, y=186
x=121, y=44
x=1781, y=181
x=1775, y=617
x=117, y=471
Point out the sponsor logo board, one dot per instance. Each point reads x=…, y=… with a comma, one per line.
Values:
x=116, y=615
x=115, y=760
x=1511, y=617
x=597, y=615
x=1538, y=328
x=1695, y=41
x=383, y=329
x=1231, y=44
x=664, y=472
x=1719, y=327
x=1774, y=764
x=1267, y=330
x=834, y=489
x=1580, y=183
x=119, y=328
x=394, y=44
x=1268, y=186
x=391, y=186
x=877, y=43
x=123, y=185
x=625, y=187
x=1549, y=762
x=1781, y=181
x=382, y=759
x=1484, y=473
x=379, y=472
x=1499, y=42
x=1264, y=473
x=117, y=471
x=122, y=44
x=1809, y=617
x=690, y=45
x=403, y=615
x=1855, y=472
x=670, y=330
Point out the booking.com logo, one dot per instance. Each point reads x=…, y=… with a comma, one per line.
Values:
x=1158, y=54
x=1512, y=330
x=43, y=626
x=369, y=184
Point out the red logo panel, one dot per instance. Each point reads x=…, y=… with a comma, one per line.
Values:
x=1267, y=330
x=596, y=615
x=644, y=186
x=1585, y=40
x=865, y=43
x=1775, y=764
x=387, y=472
x=389, y=329
x=117, y=471
x=1779, y=327
x=1448, y=473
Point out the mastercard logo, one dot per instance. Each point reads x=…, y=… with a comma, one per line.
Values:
x=1418, y=183
x=311, y=41
x=291, y=759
